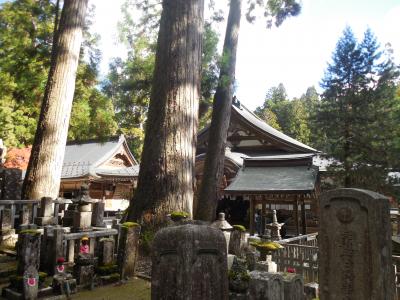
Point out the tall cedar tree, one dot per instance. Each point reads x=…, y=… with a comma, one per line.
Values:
x=213, y=165
x=357, y=110
x=165, y=181
x=45, y=164
x=277, y=10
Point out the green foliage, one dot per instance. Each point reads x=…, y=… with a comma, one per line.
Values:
x=146, y=240
x=107, y=270
x=129, y=81
x=239, y=228
x=232, y=275
x=289, y=116
x=26, y=36
x=359, y=112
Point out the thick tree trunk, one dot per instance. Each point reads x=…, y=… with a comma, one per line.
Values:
x=167, y=166
x=45, y=164
x=214, y=162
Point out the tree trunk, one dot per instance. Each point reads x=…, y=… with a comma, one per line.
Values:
x=166, y=174
x=214, y=162
x=45, y=164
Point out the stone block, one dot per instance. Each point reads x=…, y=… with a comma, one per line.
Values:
x=311, y=291
x=28, y=251
x=84, y=274
x=106, y=251
x=265, y=285
x=43, y=221
x=189, y=262
x=46, y=207
x=355, y=247
x=128, y=250
x=237, y=243
x=31, y=283
x=98, y=214
x=5, y=221
x=11, y=184
x=294, y=286
x=82, y=220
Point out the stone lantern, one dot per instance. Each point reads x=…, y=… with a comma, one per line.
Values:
x=83, y=215
x=224, y=226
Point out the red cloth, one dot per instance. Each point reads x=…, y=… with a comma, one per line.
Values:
x=84, y=249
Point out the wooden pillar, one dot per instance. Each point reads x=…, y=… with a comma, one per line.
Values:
x=263, y=213
x=296, y=215
x=252, y=200
x=303, y=216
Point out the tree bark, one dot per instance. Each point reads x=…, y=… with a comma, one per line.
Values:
x=166, y=174
x=45, y=164
x=214, y=161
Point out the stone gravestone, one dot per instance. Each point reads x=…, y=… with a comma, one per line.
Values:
x=294, y=286
x=189, y=262
x=128, y=249
x=264, y=285
x=106, y=251
x=355, y=249
x=45, y=213
x=11, y=184
x=28, y=250
x=98, y=214
x=237, y=242
x=31, y=283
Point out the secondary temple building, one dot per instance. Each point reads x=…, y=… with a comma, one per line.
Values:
x=264, y=170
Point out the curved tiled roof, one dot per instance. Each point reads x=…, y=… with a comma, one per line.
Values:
x=262, y=127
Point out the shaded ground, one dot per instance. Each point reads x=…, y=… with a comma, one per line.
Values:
x=134, y=289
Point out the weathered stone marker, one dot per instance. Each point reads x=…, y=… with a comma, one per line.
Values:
x=189, y=262
x=237, y=242
x=294, y=286
x=31, y=283
x=12, y=184
x=355, y=252
x=45, y=214
x=98, y=214
x=28, y=250
x=106, y=251
x=128, y=249
x=264, y=285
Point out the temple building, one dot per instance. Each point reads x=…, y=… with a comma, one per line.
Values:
x=264, y=170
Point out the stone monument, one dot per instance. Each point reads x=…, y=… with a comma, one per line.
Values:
x=224, y=226
x=189, y=262
x=45, y=213
x=355, y=249
x=264, y=285
x=274, y=228
x=83, y=215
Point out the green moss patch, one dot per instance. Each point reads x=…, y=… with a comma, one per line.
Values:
x=179, y=215
x=266, y=246
x=239, y=228
x=30, y=231
x=130, y=224
x=107, y=270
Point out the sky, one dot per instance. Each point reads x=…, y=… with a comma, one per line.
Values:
x=295, y=54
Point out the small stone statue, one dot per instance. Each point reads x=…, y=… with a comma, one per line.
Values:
x=84, y=248
x=63, y=282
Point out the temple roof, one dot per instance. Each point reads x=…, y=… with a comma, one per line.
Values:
x=93, y=158
x=250, y=135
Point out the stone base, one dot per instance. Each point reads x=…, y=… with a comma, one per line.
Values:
x=84, y=274
x=64, y=285
x=11, y=294
x=267, y=266
x=311, y=290
x=82, y=220
x=43, y=221
x=8, y=240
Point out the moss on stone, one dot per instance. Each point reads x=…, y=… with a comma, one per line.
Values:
x=30, y=231
x=179, y=215
x=130, y=224
x=107, y=269
x=232, y=275
x=239, y=228
x=266, y=246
